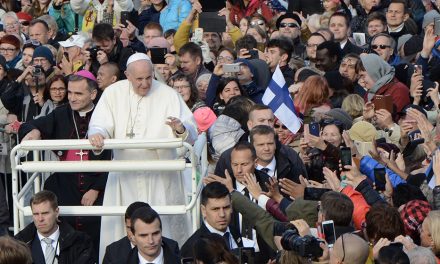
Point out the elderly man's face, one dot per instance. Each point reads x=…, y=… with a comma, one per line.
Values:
x=140, y=74
x=290, y=28
x=213, y=40
x=39, y=32
x=382, y=46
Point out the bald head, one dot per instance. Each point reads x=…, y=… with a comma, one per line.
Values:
x=351, y=248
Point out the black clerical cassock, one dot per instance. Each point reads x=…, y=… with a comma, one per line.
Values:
x=64, y=123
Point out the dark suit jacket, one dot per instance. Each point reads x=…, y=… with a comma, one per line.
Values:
x=351, y=48
x=170, y=249
x=117, y=252
x=187, y=248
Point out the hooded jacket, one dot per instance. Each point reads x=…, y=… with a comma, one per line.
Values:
x=224, y=134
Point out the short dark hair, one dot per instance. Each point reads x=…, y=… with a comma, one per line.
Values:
x=103, y=31
x=91, y=85
x=338, y=207
x=246, y=42
x=213, y=190
x=146, y=215
x=194, y=95
x=261, y=130
x=133, y=207
x=334, y=49
x=14, y=251
x=404, y=192
x=45, y=196
x=377, y=16
x=282, y=43
x=39, y=21
x=403, y=2
x=233, y=53
x=383, y=221
x=56, y=77
x=392, y=255
x=341, y=14
x=244, y=145
x=193, y=49
x=114, y=68
x=153, y=25
x=258, y=107
x=332, y=36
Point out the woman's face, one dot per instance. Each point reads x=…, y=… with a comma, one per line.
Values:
x=57, y=91
x=244, y=24
x=369, y=4
x=183, y=88
x=329, y=5
x=27, y=56
x=365, y=80
x=202, y=87
x=281, y=130
x=231, y=89
x=225, y=57
x=8, y=51
x=331, y=134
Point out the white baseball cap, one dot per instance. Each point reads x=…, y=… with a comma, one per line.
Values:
x=74, y=40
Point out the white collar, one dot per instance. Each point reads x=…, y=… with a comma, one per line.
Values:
x=271, y=166
x=55, y=235
x=397, y=29
x=157, y=260
x=343, y=43
x=215, y=231
x=240, y=187
x=84, y=113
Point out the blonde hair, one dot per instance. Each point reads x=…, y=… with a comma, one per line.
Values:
x=353, y=104
x=433, y=221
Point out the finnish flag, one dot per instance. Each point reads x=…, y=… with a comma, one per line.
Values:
x=277, y=97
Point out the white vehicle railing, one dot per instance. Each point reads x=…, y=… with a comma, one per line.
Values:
x=198, y=156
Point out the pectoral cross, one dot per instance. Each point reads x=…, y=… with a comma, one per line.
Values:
x=131, y=134
x=81, y=153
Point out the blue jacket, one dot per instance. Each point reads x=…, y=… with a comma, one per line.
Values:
x=174, y=13
x=368, y=164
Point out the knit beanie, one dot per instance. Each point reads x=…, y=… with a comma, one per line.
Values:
x=44, y=52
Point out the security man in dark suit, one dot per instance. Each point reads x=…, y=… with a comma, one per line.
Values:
x=216, y=210
x=117, y=252
x=151, y=247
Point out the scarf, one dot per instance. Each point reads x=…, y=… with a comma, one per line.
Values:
x=11, y=64
x=380, y=71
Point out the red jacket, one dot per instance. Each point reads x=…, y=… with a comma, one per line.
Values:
x=255, y=6
x=361, y=207
x=397, y=90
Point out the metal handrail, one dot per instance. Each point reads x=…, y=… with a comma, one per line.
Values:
x=100, y=166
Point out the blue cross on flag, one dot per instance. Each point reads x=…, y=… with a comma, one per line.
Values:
x=277, y=97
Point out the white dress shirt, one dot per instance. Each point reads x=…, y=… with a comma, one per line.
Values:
x=247, y=242
x=54, y=238
x=272, y=166
x=157, y=260
x=211, y=229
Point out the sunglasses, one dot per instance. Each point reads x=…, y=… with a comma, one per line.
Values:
x=380, y=46
x=291, y=25
x=278, y=126
x=258, y=22
x=25, y=23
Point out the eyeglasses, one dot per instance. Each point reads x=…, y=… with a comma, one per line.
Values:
x=40, y=61
x=380, y=46
x=25, y=23
x=257, y=22
x=10, y=50
x=291, y=25
x=227, y=58
x=278, y=126
x=10, y=25
x=58, y=90
x=343, y=248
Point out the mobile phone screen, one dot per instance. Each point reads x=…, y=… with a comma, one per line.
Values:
x=328, y=228
x=345, y=157
x=379, y=178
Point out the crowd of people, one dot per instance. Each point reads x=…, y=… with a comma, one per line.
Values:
x=358, y=181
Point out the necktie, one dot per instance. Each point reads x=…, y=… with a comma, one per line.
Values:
x=49, y=253
x=246, y=228
x=227, y=239
x=265, y=170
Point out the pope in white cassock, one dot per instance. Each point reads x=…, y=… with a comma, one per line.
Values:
x=142, y=108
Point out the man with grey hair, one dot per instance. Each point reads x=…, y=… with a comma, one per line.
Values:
x=384, y=45
x=421, y=255
x=53, y=33
x=71, y=121
x=140, y=108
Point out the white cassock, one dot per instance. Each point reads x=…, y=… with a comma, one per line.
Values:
x=121, y=110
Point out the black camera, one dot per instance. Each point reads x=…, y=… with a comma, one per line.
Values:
x=93, y=52
x=307, y=246
x=38, y=70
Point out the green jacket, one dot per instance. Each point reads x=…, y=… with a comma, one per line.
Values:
x=65, y=18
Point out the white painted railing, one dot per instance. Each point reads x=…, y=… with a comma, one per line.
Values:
x=198, y=157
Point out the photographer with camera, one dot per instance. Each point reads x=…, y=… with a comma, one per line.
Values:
x=107, y=48
x=24, y=97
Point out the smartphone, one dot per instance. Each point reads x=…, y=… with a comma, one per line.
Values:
x=314, y=194
x=314, y=129
x=245, y=255
x=188, y=261
x=418, y=68
x=383, y=102
x=379, y=178
x=254, y=54
x=198, y=35
x=437, y=26
x=125, y=16
x=235, y=67
x=158, y=55
x=345, y=157
x=328, y=229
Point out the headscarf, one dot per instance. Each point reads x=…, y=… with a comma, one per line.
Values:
x=380, y=71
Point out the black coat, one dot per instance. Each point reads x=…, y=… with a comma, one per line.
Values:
x=117, y=252
x=351, y=48
x=187, y=248
x=170, y=253
x=75, y=247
